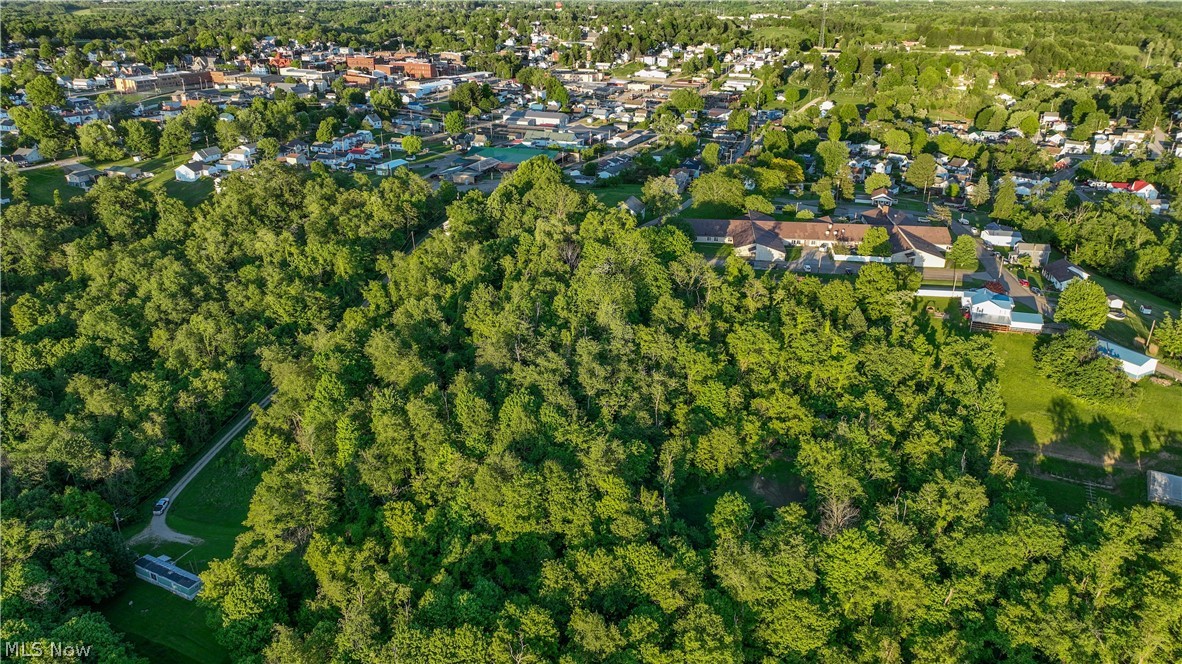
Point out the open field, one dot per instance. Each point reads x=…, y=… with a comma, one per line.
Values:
x=1043, y=416
x=1054, y=435
x=44, y=181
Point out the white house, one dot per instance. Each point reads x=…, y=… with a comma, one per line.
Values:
x=997, y=310
x=190, y=172
x=1135, y=365
x=386, y=168
x=1063, y=272
x=1000, y=236
x=1139, y=188
x=232, y=165
x=207, y=155
x=242, y=153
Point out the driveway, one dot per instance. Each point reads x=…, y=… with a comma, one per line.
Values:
x=997, y=271
x=158, y=530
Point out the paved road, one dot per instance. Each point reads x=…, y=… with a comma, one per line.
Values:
x=157, y=529
x=50, y=164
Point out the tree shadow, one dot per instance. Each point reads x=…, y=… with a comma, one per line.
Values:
x=1019, y=431
x=1069, y=428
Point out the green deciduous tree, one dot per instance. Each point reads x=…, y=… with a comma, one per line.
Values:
x=875, y=242
x=412, y=144
x=43, y=91
x=454, y=123
x=1083, y=304
x=660, y=195
x=876, y=181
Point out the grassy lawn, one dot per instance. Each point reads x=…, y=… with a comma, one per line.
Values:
x=714, y=251
x=962, y=281
x=1053, y=479
x=1040, y=413
x=1136, y=325
x=624, y=71
x=191, y=194
x=911, y=205
x=613, y=196
x=213, y=506
x=44, y=181
x=162, y=626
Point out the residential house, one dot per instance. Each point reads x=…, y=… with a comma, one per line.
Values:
x=1001, y=236
x=1135, y=365
x=1139, y=188
x=160, y=571
x=761, y=238
x=242, y=153
x=293, y=159
x=22, y=156
x=190, y=172
x=992, y=311
x=78, y=175
x=80, y=117
x=207, y=155
x=1040, y=254
x=882, y=197
x=374, y=120
x=1063, y=272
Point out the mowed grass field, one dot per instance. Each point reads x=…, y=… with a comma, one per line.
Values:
x=1043, y=415
x=164, y=627
x=44, y=181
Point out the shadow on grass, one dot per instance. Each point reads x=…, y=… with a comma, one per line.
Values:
x=1068, y=427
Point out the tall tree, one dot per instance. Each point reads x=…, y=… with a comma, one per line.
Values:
x=1083, y=304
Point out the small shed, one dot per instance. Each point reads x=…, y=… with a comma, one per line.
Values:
x=1164, y=488
x=162, y=572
